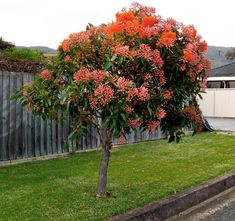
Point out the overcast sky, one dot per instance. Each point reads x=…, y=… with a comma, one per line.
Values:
x=48, y=22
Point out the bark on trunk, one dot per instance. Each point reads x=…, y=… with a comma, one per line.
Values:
x=106, y=142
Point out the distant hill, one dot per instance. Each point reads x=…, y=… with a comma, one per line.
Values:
x=217, y=56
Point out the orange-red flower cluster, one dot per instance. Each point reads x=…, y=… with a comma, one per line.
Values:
x=66, y=45
x=156, y=58
x=161, y=77
x=167, y=94
x=121, y=50
x=202, y=47
x=167, y=39
x=67, y=59
x=148, y=76
x=129, y=109
x=127, y=21
x=114, y=28
x=132, y=93
x=93, y=102
x=121, y=139
x=124, y=17
x=133, y=27
x=82, y=75
x=188, y=55
x=193, y=116
x=190, y=112
x=82, y=36
x=152, y=125
x=98, y=75
x=149, y=21
x=148, y=32
x=123, y=83
x=160, y=113
x=145, y=52
x=45, y=75
x=104, y=93
x=134, y=123
x=143, y=93
x=189, y=32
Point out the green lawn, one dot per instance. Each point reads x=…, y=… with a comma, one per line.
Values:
x=64, y=188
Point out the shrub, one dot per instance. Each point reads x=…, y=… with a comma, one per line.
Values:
x=5, y=44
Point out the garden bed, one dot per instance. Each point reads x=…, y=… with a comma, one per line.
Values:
x=22, y=60
x=16, y=65
x=64, y=188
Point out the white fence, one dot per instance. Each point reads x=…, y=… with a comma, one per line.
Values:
x=218, y=102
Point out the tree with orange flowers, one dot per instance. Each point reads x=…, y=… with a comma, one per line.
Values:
x=139, y=71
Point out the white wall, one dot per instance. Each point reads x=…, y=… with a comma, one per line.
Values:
x=218, y=102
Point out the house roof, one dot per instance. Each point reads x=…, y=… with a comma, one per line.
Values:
x=227, y=70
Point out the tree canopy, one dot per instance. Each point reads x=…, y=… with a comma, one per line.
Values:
x=139, y=71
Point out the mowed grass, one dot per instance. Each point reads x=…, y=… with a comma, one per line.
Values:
x=64, y=188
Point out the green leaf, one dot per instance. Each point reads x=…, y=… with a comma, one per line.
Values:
x=123, y=116
x=68, y=105
x=114, y=123
x=115, y=111
x=74, y=135
x=107, y=65
x=200, y=96
x=149, y=110
x=106, y=122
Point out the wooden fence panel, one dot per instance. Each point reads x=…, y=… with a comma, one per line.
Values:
x=5, y=115
x=37, y=136
x=23, y=135
x=12, y=118
x=18, y=123
x=53, y=137
x=1, y=118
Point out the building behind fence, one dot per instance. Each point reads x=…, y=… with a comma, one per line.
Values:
x=23, y=135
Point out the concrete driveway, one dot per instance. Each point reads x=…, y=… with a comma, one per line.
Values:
x=222, y=123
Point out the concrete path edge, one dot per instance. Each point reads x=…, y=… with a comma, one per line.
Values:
x=172, y=205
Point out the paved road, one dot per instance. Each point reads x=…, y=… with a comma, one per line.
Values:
x=222, y=123
x=218, y=208
x=227, y=214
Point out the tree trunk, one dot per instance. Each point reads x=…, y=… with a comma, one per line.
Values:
x=106, y=142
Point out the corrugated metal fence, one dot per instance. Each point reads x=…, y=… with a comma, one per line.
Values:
x=23, y=135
